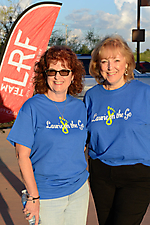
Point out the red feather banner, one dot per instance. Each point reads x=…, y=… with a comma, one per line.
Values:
x=27, y=41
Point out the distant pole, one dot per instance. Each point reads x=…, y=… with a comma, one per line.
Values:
x=138, y=42
x=66, y=32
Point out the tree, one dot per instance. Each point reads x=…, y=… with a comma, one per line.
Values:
x=75, y=44
x=8, y=14
x=80, y=46
x=91, y=39
x=84, y=49
x=56, y=38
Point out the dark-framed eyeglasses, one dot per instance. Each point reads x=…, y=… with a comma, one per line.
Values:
x=53, y=72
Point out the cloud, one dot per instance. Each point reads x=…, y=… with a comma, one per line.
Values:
x=84, y=19
x=75, y=33
x=105, y=23
x=24, y=3
x=81, y=19
x=119, y=3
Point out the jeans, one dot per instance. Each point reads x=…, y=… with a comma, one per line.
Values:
x=68, y=210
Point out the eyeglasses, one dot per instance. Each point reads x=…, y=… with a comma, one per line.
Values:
x=54, y=72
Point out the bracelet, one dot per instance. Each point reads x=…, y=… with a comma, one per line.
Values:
x=33, y=199
x=36, y=198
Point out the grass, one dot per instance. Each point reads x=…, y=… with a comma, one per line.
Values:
x=6, y=126
x=144, y=56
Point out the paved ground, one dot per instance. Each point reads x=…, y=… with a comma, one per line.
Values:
x=11, y=184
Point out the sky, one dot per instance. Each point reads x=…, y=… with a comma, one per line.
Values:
x=104, y=17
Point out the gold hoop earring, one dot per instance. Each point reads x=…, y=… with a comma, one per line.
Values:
x=126, y=72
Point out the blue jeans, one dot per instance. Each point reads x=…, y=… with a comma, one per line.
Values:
x=68, y=210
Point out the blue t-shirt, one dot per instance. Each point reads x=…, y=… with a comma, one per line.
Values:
x=57, y=145
x=119, y=124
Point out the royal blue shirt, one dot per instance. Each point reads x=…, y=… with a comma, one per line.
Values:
x=119, y=124
x=57, y=145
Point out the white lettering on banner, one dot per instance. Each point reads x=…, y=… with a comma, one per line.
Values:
x=12, y=89
x=19, y=64
x=9, y=80
x=24, y=45
x=8, y=111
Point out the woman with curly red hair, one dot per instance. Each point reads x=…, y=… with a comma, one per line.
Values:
x=50, y=134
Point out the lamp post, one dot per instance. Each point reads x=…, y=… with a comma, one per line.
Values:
x=66, y=32
x=138, y=42
x=138, y=35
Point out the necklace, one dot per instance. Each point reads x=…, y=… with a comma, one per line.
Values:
x=59, y=110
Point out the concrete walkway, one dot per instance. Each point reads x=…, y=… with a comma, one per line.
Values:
x=11, y=185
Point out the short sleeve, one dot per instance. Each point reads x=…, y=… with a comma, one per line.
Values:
x=22, y=131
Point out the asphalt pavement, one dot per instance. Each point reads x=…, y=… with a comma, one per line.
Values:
x=11, y=185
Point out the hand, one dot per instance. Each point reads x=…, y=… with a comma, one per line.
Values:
x=33, y=210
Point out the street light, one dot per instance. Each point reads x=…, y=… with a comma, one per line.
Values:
x=66, y=32
x=138, y=35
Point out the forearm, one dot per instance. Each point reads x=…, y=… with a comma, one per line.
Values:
x=28, y=175
x=23, y=156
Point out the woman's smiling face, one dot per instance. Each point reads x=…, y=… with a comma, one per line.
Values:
x=112, y=68
x=59, y=84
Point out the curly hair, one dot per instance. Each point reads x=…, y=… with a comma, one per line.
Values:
x=68, y=58
x=115, y=43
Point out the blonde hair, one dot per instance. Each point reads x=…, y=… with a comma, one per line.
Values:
x=115, y=43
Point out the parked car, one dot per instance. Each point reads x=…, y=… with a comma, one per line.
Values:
x=144, y=67
x=90, y=81
x=144, y=77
